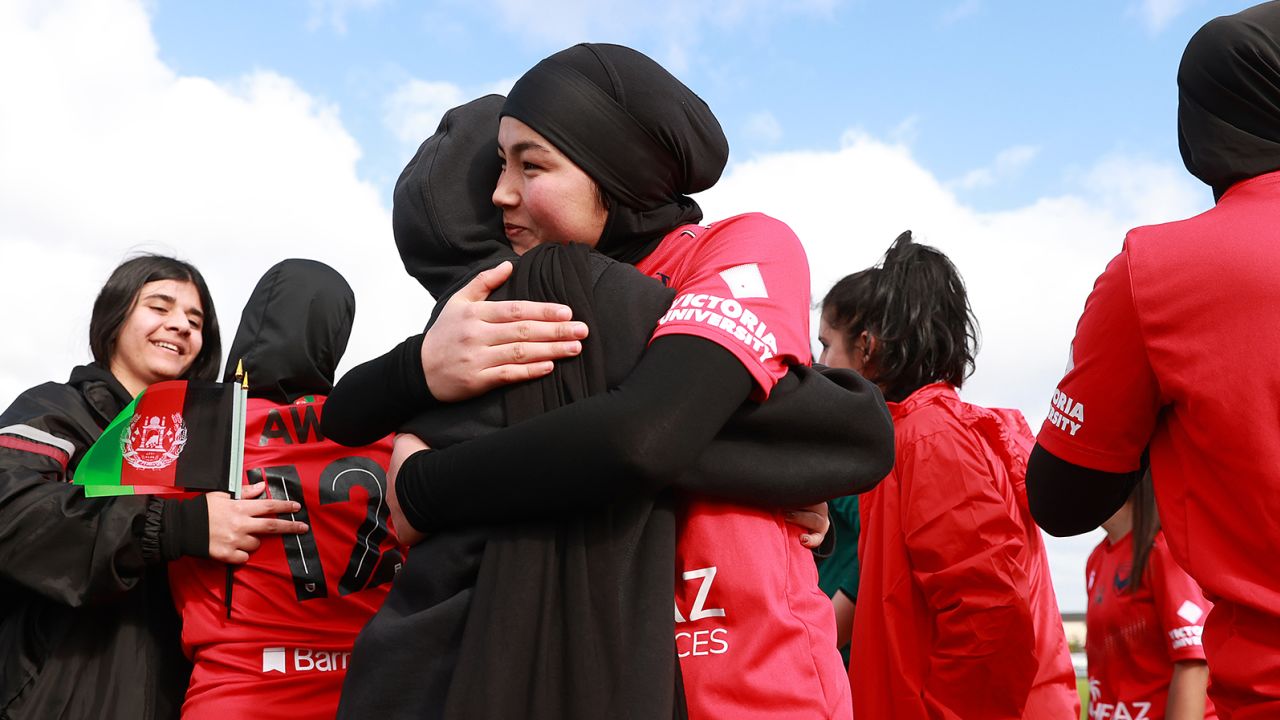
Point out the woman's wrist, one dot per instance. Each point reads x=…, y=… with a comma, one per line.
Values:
x=185, y=528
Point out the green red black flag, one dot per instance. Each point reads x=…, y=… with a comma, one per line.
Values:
x=176, y=436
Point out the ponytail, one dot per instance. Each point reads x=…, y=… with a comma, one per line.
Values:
x=915, y=306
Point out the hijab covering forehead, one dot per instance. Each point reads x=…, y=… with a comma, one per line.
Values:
x=640, y=133
x=442, y=215
x=293, y=331
x=1229, y=98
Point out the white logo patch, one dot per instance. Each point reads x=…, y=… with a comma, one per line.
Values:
x=154, y=444
x=1190, y=612
x=273, y=659
x=745, y=281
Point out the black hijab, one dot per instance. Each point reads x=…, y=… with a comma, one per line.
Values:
x=293, y=331
x=646, y=139
x=1229, y=98
x=445, y=227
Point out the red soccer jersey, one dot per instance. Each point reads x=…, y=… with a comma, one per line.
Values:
x=1134, y=638
x=755, y=634
x=300, y=600
x=1177, y=348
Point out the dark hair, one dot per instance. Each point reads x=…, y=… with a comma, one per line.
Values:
x=119, y=295
x=1146, y=523
x=915, y=307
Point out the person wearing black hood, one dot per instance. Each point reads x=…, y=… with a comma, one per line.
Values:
x=1173, y=367
x=278, y=645
x=755, y=635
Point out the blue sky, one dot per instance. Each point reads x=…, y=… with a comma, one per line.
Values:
x=1022, y=138
x=961, y=81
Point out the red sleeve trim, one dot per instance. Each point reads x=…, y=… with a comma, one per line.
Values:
x=23, y=445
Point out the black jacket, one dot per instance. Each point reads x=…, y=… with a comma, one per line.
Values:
x=87, y=628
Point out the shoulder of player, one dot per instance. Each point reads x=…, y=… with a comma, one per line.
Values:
x=768, y=231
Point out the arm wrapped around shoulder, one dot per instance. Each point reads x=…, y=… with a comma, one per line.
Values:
x=823, y=433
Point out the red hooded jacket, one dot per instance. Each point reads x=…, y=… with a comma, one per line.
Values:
x=956, y=615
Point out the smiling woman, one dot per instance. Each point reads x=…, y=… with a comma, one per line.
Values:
x=83, y=589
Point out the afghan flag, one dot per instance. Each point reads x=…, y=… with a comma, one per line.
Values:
x=176, y=436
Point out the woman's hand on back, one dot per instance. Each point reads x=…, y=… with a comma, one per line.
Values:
x=234, y=525
x=815, y=520
x=476, y=345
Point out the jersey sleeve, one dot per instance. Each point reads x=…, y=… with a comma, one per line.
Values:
x=748, y=291
x=1104, y=410
x=1180, y=605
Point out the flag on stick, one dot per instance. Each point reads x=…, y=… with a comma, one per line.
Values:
x=176, y=436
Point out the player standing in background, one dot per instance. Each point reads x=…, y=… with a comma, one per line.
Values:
x=281, y=649
x=1174, y=358
x=1145, y=617
x=957, y=617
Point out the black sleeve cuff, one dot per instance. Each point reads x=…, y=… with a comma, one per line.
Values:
x=185, y=529
x=413, y=492
x=409, y=367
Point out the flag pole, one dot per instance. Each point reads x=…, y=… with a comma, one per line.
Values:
x=235, y=484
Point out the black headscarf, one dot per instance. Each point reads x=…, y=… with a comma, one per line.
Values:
x=444, y=225
x=1229, y=98
x=293, y=331
x=646, y=139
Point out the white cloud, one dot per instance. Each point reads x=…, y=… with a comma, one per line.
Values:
x=107, y=151
x=1156, y=15
x=763, y=127
x=961, y=10
x=413, y=110
x=1028, y=269
x=334, y=13
x=1008, y=164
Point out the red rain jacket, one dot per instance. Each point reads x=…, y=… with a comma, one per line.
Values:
x=956, y=615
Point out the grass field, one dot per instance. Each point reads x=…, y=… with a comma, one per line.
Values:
x=1082, y=684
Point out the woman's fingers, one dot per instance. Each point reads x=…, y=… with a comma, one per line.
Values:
x=467, y=349
x=814, y=520
x=234, y=525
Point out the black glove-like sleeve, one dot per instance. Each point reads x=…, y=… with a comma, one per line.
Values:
x=1068, y=499
x=636, y=438
x=375, y=398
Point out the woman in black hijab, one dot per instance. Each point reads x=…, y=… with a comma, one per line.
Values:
x=1177, y=368
x=601, y=146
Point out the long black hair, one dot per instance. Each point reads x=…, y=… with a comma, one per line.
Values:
x=1146, y=523
x=915, y=307
x=120, y=294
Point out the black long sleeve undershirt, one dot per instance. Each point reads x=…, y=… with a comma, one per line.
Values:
x=375, y=398
x=638, y=437
x=1067, y=499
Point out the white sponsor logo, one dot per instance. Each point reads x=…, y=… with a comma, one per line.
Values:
x=1119, y=711
x=1066, y=414
x=153, y=442
x=1190, y=612
x=1185, y=636
x=727, y=315
x=745, y=281
x=697, y=643
x=273, y=659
